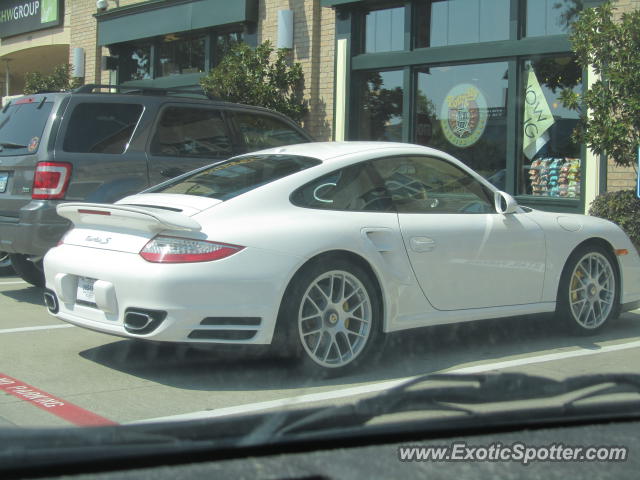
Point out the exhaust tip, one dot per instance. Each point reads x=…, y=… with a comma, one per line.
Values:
x=139, y=321
x=51, y=301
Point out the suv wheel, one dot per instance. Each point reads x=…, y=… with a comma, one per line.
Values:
x=5, y=264
x=31, y=272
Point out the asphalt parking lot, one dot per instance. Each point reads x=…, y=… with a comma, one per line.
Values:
x=55, y=374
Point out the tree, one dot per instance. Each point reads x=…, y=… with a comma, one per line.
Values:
x=610, y=109
x=260, y=76
x=59, y=80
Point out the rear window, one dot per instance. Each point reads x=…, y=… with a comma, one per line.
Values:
x=21, y=127
x=101, y=127
x=231, y=178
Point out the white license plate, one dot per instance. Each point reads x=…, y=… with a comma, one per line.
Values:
x=4, y=179
x=85, y=290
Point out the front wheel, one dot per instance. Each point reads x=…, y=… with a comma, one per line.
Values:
x=588, y=296
x=333, y=317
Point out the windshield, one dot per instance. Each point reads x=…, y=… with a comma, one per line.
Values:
x=21, y=127
x=226, y=180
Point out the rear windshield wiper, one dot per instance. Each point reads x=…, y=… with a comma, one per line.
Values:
x=11, y=145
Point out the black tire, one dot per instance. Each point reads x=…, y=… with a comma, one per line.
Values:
x=341, y=326
x=31, y=272
x=5, y=264
x=589, y=290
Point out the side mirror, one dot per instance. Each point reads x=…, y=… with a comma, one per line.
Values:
x=505, y=203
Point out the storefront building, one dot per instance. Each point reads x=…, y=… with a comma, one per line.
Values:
x=479, y=79
x=34, y=36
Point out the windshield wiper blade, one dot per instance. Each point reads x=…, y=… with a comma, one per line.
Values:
x=12, y=145
x=461, y=393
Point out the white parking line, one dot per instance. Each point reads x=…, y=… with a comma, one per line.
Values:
x=31, y=329
x=21, y=282
x=380, y=386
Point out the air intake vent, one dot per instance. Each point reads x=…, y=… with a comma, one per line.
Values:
x=222, y=334
x=237, y=321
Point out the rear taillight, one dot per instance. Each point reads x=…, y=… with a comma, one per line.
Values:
x=164, y=249
x=51, y=180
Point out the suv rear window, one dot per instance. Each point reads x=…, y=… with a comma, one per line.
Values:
x=21, y=127
x=101, y=127
x=231, y=178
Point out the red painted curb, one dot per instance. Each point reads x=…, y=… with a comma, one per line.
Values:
x=54, y=405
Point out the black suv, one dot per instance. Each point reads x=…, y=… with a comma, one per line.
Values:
x=97, y=146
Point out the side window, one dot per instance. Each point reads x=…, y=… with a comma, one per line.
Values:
x=191, y=132
x=101, y=127
x=262, y=131
x=354, y=188
x=432, y=185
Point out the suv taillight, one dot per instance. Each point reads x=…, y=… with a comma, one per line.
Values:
x=51, y=180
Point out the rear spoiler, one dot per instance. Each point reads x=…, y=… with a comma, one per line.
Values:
x=135, y=218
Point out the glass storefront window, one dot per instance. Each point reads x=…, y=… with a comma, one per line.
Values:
x=223, y=42
x=380, y=106
x=462, y=110
x=454, y=22
x=140, y=62
x=384, y=30
x=550, y=17
x=549, y=157
x=178, y=55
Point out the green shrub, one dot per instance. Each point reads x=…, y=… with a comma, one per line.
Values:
x=59, y=80
x=623, y=208
x=261, y=76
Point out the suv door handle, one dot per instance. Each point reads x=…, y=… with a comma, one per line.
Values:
x=171, y=172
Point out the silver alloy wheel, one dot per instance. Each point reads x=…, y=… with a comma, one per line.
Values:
x=592, y=290
x=5, y=261
x=334, y=319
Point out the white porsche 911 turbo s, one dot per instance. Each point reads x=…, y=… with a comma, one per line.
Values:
x=320, y=249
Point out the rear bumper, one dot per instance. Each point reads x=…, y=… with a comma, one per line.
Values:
x=38, y=229
x=230, y=301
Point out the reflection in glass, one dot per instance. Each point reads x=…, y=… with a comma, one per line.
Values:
x=454, y=22
x=141, y=62
x=462, y=110
x=384, y=30
x=381, y=106
x=549, y=157
x=179, y=55
x=223, y=43
x=551, y=17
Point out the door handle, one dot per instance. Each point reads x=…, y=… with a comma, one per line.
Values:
x=422, y=244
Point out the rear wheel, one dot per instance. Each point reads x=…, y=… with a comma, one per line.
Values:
x=31, y=272
x=333, y=317
x=589, y=292
x=5, y=264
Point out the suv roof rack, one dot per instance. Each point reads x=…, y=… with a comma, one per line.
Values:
x=137, y=90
